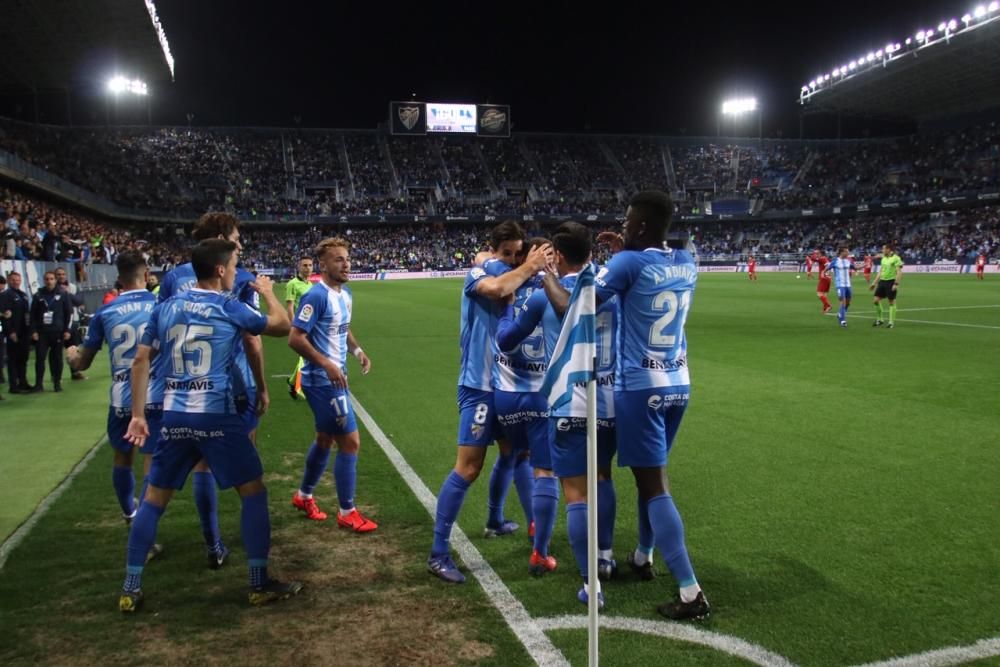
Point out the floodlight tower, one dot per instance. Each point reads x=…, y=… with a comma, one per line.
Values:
x=736, y=108
x=119, y=85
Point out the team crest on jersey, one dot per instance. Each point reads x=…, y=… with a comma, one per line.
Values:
x=306, y=313
x=409, y=116
x=477, y=430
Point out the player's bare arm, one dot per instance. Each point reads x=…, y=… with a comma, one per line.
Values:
x=138, y=430
x=278, y=323
x=359, y=354
x=500, y=287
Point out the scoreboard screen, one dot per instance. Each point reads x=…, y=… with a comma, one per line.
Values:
x=460, y=118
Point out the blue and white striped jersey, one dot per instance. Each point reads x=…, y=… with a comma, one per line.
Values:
x=198, y=334
x=516, y=325
x=180, y=280
x=654, y=288
x=477, y=329
x=842, y=269
x=523, y=368
x=121, y=323
x=325, y=315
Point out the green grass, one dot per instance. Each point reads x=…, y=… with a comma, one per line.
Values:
x=839, y=490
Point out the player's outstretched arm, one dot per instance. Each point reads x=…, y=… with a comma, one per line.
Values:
x=277, y=317
x=501, y=287
x=359, y=354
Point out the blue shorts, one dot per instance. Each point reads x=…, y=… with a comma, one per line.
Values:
x=477, y=417
x=118, y=420
x=246, y=407
x=569, y=445
x=524, y=417
x=647, y=421
x=844, y=293
x=220, y=439
x=154, y=420
x=332, y=410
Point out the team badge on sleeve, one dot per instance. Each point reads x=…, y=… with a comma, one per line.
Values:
x=306, y=313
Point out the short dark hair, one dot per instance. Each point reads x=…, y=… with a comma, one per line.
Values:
x=508, y=230
x=13, y=273
x=131, y=265
x=654, y=207
x=47, y=273
x=3, y=281
x=573, y=241
x=209, y=254
x=214, y=225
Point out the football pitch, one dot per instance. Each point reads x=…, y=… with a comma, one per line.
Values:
x=840, y=490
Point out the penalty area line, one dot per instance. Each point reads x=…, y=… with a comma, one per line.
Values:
x=22, y=531
x=538, y=645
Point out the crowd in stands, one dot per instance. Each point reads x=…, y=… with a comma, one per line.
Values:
x=294, y=173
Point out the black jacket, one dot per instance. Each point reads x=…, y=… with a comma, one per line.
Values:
x=51, y=311
x=16, y=302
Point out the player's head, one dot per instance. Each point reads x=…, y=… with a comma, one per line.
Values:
x=132, y=270
x=61, y=276
x=572, y=244
x=506, y=240
x=152, y=280
x=305, y=267
x=842, y=252
x=49, y=279
x=14, y=279
x=214, y=259
x=647, y=220
x=218, y=226
x=533, y=242
x=334, y=259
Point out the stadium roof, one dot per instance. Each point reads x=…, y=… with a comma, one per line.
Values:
x=59, y=43
x=955, y=72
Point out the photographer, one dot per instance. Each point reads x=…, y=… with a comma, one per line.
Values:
x=51, y=314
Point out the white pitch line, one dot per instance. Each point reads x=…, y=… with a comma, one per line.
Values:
x=22, y=531
x=679, y=631
x=954, y=655
x=944, y=324
x=538, y=645
x=911, y=310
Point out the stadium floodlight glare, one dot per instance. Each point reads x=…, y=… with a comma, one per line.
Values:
x=878, y=54
x=740, y=105
x=994, y=6
x=967, y=19
x=909, y=40
x=979, y=12
x=952, y=24
x=920, y=36
x=120, y=84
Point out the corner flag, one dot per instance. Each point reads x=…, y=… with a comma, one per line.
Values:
x=572, y=360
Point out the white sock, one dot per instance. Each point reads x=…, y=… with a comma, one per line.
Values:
x=586, y=587
x=344, y=512
x=689, y=593
x=605, y=554
x=305, y=496
x=641, y=557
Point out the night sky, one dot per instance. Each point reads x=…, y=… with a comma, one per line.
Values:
x=662, y=68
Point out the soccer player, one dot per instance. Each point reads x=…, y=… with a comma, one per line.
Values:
x=121, y=324
x=321, y=335
x=199, y=332
x=295, y=289
x=810, y=260
x=980, y=265
x=478, y=426
x=842, y=269
x=887, y=285
x=868, y=268
x=654, y=285
x=823, y=284
x=572, y=246
x=752, y=268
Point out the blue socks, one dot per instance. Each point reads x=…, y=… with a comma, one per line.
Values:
x=145, y=485
x=450, y=500
x=668, y=530
x=524, y=482
x=124, y=482
x=544, y=504
x=576, y=526
x=345, y=476
x=255, y=528
x=140, y=538
x=316, y=461
x=607, y=509
x=500, y=478
x=206, y=499
x=843, y=312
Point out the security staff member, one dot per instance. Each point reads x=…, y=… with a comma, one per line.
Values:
x=17, y=331
x=51, y=314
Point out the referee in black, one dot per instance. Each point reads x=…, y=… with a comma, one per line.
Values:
x=51, y=314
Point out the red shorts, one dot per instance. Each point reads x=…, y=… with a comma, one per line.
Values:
x=868, y=272
x=823, y=285
x=979, y=269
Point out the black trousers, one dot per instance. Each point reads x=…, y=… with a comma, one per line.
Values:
x=17, y=361
x=49, y=344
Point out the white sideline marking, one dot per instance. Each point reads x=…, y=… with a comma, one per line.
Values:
x=22, y=531
x=283, y=377
x=910, y=310
x=954, y=655
x=538, y=645
x=944, y=324
x=680, y=631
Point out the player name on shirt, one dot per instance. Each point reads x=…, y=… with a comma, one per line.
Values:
x=201, y=384
x=531, y=366
x=664, y=365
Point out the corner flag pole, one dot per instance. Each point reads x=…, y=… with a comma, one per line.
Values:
x=593, y=581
